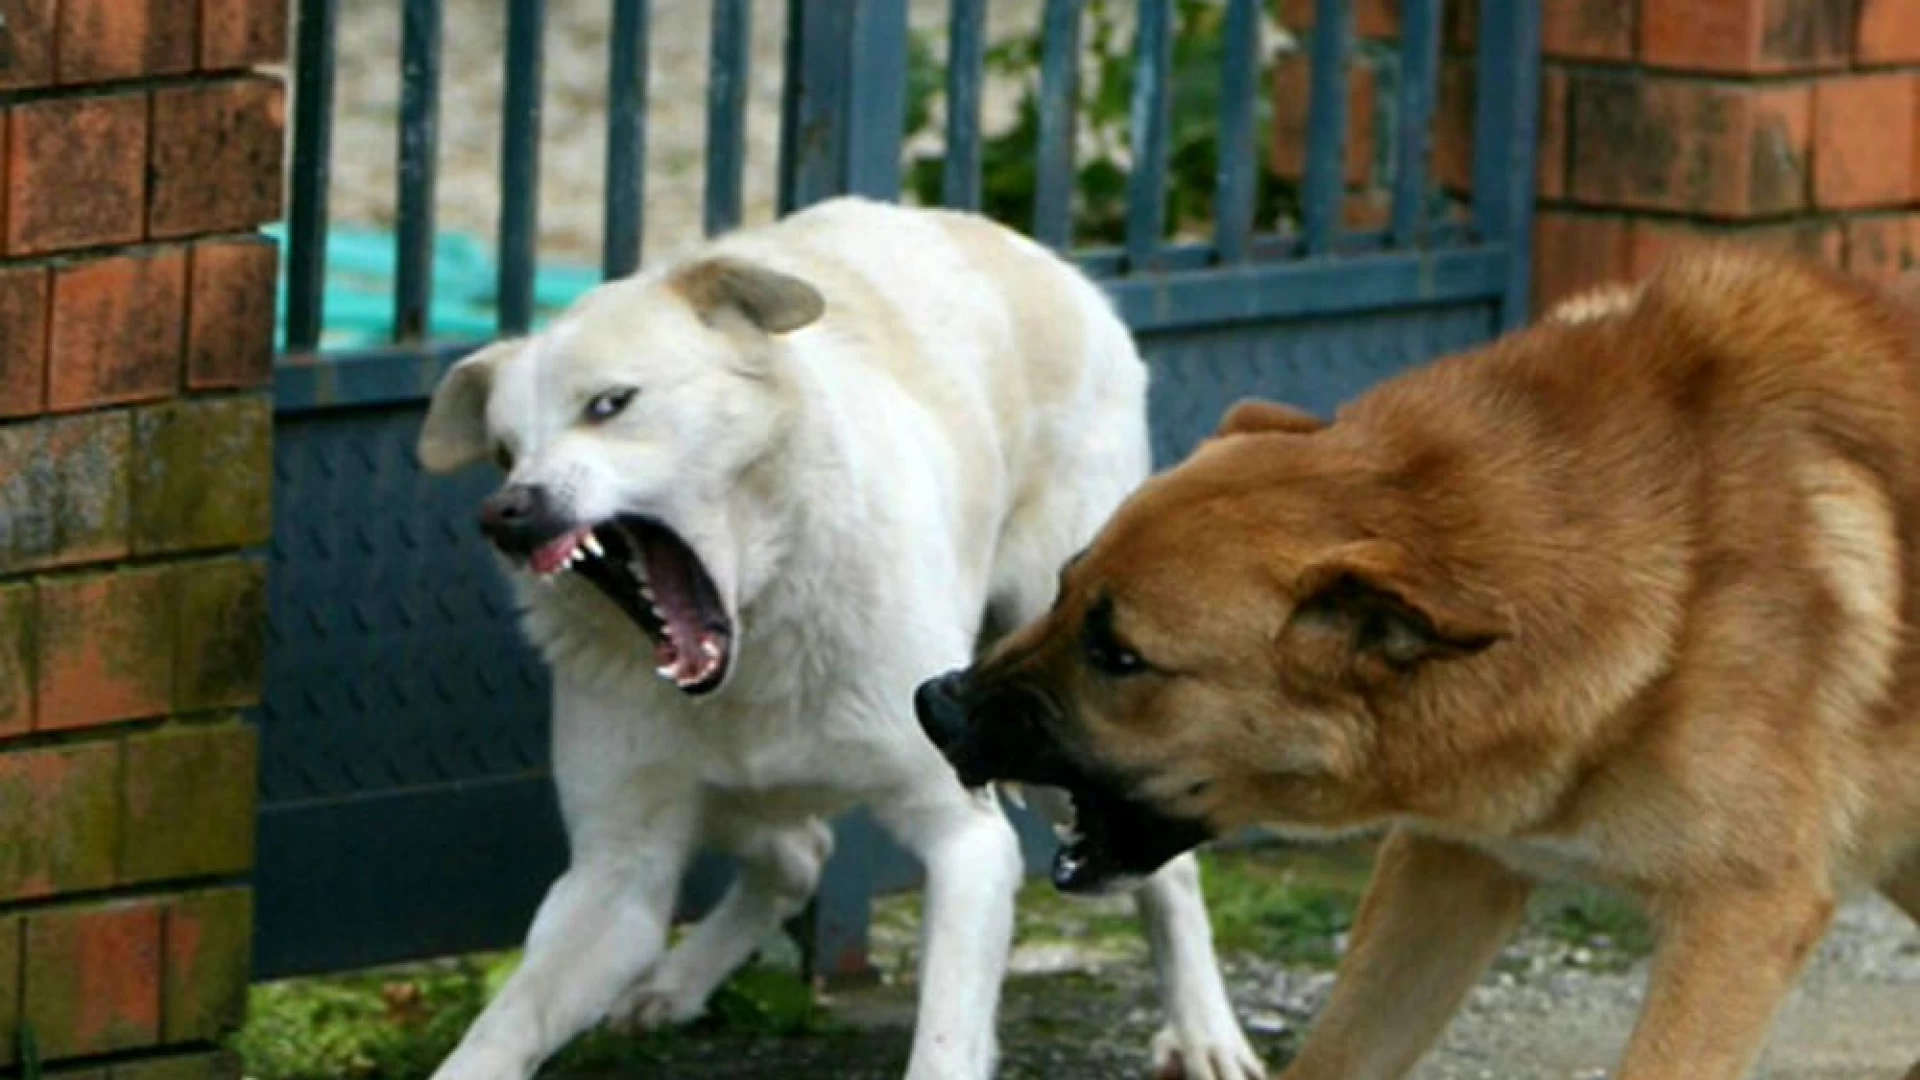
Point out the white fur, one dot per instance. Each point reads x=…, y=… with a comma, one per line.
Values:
x=868, y=492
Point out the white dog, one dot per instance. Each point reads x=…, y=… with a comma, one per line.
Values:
x=751, y=501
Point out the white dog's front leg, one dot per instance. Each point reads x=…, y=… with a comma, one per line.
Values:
x=972, y=860
x=601, y=925
x=1202, y=1040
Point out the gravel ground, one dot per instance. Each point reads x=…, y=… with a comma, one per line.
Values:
x=1549, y=1012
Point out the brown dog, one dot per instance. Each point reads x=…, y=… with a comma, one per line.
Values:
x=1624, y=598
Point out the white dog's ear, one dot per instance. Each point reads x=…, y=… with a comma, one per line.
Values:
x=454, y=434
x=770, y=301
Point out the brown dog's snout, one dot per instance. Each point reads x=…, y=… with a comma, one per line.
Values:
x=936, y=702
x=990, y=732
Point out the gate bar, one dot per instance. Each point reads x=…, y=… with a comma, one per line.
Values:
x=1419, y=81
x=520, y=164
x=1507, y=72
x=1326, y=124
x=876, y=118
x=731, y=47
x=1235, y=174
x=312, y=165
x=1059, y=98
x=966, y=70
x=624, y=227
x=1152, y=115
x=417, y=170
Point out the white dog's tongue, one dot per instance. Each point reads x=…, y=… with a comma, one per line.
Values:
x=690, y=652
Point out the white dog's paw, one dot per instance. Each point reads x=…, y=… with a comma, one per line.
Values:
x=654, y=1003
x=1205, y=1055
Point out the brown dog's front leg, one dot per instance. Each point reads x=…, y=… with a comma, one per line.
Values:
x=1726, y=960
x=1433, y=919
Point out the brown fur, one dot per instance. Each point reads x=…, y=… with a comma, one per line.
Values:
x=1624, y=598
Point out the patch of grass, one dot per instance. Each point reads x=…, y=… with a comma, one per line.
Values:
x=399, y=1023
x=1288, y=906
x=1613, y=930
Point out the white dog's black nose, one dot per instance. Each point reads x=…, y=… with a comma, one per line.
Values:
x=519, y=518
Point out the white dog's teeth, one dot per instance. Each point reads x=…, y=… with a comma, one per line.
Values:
x=711, y=649
x=665, y=671
x=592, y=544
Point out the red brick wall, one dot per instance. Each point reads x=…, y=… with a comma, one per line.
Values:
x=1792, y=123
x=138, y=151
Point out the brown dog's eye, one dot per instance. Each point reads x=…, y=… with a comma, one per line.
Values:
x=1105, y=652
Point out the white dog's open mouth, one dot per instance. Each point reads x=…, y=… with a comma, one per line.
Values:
x=658, y=580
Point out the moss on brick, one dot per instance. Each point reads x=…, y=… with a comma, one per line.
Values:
x=93, y=978
x=105, y=648
x=209, y=938
x=189, y=801
x=220, y=647
x=203, y=473
x=18, y=622
x=61, y=806
x=10, y=1004
x=66, y=500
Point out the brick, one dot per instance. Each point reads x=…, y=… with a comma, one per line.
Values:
x=10, y=1004
x=242, y=33
x=1655, y=242
x=106, y=648
x=1865, y=140
x=208, y=956
x=1575, y=252
x=189, y=802
x=19, y=629
x=1453, y=125
x=102, y=40
x=93, y=978
x=1366, y=211
x=1882, y=246
x=23, y=340
x=207, y=1065
x=26, y=49
x=1550, y=164
x=1746, y=36
x=220, y=646
x=118, y=329
x=1588, y=29
x=203, y=474
x=1670, y=144
x=62, y=809
x=64, y=492
x=216, y=156
x=231, y=313
x=1290, y=107
x=75, y=173
x=1887, y=32
x=1377, y=19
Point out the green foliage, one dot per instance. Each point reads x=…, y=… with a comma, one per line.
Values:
x=1008, y=157
x=399, y=1023
x=1612, y=929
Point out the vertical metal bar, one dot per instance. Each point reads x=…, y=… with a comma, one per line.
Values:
x=1152, y=114
x=877, y=97
x=520, y=164
x=727, y=112
x=312, y=149
x=1059, y=96
x=1326, y=124
x=966, y=71
x=417, y=170
x=1507, y=72
x=1419, y=83
x=626, y=185
x=1237, y=166
x=813, y=139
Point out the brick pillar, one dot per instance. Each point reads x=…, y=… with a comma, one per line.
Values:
x=138, y=151
x=1790, y=123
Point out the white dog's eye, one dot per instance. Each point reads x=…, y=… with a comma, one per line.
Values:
x=609, y=404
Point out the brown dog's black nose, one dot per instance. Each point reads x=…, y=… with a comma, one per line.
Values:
x=519, y=518
x=937, y=703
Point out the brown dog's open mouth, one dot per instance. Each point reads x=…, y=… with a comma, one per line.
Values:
x=654, y=576
x=1115, y=841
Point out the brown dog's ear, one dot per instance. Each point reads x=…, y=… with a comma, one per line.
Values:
x=1251, y=416
x=1388, y=606
x=770, y=301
